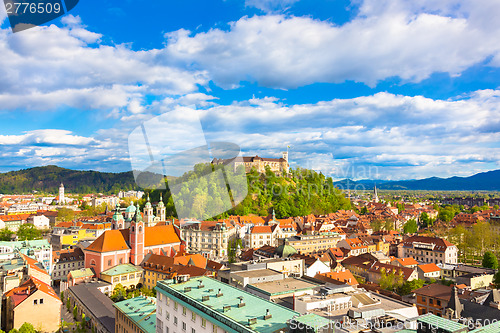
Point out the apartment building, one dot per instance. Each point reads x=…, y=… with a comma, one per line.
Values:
x=210, y=238
x=136, y=315
x=306, y=244
x=428, y=250
x=205, y=305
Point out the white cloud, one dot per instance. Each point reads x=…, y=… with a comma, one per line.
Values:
x=270, y=6
x=387, y=39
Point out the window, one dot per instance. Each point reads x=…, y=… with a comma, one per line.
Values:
x=175, y=320
x=214, y=328
x=203, y=322
x=109, y=262
x=35, y=302
x=193, y=330
x=431, y=301
x=121, y=260
x=41, y=300
x=183, y=311
x=193, y=316
x=175, y=305
x=183, y=326
x=167, y=315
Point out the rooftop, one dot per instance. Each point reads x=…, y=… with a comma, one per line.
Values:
x=122, y=269
x=257, y=273
x=200, y=295
x=441, y=323
x=140, y=310
x=285, y=286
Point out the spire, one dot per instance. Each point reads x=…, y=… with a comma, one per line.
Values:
x=454, y=304
x=137, y=216
x=274, y=215
x=148, y=203
x=160, y=203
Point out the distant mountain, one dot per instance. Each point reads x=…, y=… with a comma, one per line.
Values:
x=48, y=178
x=485, y=181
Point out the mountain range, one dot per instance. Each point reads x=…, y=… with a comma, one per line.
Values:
x=48, y=178
x=484, y=181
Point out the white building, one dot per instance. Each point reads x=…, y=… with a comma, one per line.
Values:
x=40, y=249
x=62, y=199
x=39, y=221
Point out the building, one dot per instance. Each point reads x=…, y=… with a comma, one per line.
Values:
x=432, y=298
x=260, y=235
x=14, y=221
x=429, y=271
x=122, y=246
x=378, y=270
x=405, y=262
x=210, y=238
x=342, y=276
x=15, y=271
x=61, y=199
x=97, y=307
x=426, y=249
x=157, y=267
x=276, y=165
x=354, y=246
x=306, y=244
x=34, y=302
x=65, y=261
x=207, y=305
x=39, y=221
x=78, y=276
x=39, y=249
x=475, y=280
x=136, y=315
x=127, y=275
x=282, y=291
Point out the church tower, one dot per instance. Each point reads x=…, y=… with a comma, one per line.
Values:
x=375, y=194
x=136, y=238
x=117, y=221
x=62, y=199
x=148, y=214
x=160, y=210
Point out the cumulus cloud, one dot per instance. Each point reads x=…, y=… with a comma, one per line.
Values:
x=49, y=66
x=387, y=39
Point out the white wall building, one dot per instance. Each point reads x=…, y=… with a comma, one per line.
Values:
x=39, y=221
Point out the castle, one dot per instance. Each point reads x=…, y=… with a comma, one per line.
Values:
x=277, y=165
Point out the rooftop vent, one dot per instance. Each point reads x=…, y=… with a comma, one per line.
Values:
x=200, y=285
x=205, y=298
x=241, y=304
x=226, y=308
x=252, y=321
x=219, y=294
x=186, y=289
x=268, y=315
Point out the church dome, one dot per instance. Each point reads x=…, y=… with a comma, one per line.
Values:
x=130, y=209
x=285, y=250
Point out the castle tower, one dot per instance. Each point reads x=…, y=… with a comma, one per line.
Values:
x=62, y=199
x=117, y=221
x=285, y=166
x=160, y=210
x=136, y=238
x=148, y=214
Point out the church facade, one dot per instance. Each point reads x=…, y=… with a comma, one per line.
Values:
x=131, y=239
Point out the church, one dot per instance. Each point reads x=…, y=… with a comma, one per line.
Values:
x=132, y=238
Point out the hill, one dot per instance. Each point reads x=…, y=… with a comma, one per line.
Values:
x=485, y=181
x=47, y=179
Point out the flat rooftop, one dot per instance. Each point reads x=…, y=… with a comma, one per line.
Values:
x=257, y=273
x=284, y=286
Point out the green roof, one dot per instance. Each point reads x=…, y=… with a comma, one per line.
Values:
x=81, y=273
x=224, y=310
x=141, y=310
x=122, y=269
x=492, y=328
x=442, y=323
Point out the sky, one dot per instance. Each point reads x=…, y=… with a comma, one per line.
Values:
x=361, y=89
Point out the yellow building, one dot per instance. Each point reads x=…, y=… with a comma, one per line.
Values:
x=33, y=302
x=127, y=275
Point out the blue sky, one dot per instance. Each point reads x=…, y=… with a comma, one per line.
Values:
x=380, y=89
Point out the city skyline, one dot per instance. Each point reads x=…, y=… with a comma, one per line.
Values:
x=388, y=88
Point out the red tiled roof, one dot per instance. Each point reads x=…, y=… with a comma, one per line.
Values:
x=406, y=261
x=427, y=268
x=19, y=294
x=343, y=277
x=262, y=229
